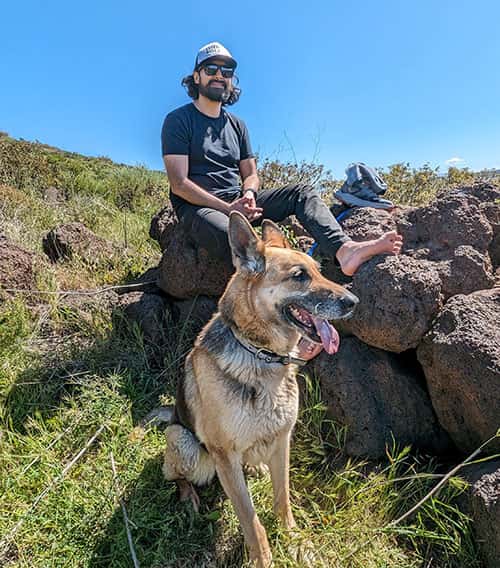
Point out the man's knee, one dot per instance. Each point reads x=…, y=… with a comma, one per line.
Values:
x=307, y=188
x=306, y=191
x=295, y=193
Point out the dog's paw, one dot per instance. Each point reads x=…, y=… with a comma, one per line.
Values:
x=302, y=551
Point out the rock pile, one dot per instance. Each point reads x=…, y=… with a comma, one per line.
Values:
x=436, y=298
x=449, y=395
x=419, y=362
x=378, y=395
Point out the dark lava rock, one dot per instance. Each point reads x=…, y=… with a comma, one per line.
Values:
x=195, y=313
x=491, y=211
x=74, y=240
x=448, y=222
x=380, y=398
x=162, y=224
x=466, y=271
x=461, y=359
x=187, y=270
x=482, y=504
x=399, y=298
x=146, y=282
x=148, y=311
x=16, y=266
x=483, y=191
x=454, y=231
x=366, y=223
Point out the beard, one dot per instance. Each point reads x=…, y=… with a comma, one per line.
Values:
x=214, y=93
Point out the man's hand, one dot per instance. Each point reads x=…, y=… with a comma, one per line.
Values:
x=251, y=207
x=247, y=206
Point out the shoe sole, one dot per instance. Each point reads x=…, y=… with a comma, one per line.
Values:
x=349, y=199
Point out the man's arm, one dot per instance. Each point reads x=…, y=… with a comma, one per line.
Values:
x=177, y=167
x=248, y=173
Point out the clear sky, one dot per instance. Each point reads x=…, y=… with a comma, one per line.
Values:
x=330, y=81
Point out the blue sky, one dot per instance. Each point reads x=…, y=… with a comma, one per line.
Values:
x=329, y=81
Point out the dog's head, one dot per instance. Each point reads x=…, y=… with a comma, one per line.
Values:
x=278, y=293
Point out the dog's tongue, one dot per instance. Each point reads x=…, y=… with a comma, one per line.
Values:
x=329, y=335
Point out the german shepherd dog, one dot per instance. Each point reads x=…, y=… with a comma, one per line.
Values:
x=238, y=401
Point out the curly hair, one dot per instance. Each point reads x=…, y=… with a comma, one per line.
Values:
x=192, y=90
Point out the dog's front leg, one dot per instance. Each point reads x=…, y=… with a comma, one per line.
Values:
x=230, y=472
x=279, y=465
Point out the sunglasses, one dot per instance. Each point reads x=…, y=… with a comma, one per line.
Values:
x=212, y=68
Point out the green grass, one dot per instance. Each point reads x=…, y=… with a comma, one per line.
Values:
x=68, y=366
x=55, y=398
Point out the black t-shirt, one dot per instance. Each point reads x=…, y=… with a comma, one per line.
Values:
x=215, y=147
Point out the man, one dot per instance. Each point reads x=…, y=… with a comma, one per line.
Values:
x=207, y=150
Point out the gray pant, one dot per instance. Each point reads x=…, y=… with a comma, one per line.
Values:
x=209, y=227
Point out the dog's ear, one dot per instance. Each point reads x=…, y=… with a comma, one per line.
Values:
x=247, y=248
x=273, y=235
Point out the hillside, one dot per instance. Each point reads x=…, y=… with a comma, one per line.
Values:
x=77, y=377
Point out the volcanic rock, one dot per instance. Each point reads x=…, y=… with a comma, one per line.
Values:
x=16, y=266
x=399, y=298
x=195, y=312
x=466, y=271
x=186, y=270
x=454, y=231
x=366, y=223
x=74, y=240
x=162, y=224
x=491, y=210
x=445, y=224
x=379, y=397
x=482, y=504
x=461, y=359
x=146, y=282
x=148, y=311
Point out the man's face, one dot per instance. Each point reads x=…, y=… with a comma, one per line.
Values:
x=214, y=87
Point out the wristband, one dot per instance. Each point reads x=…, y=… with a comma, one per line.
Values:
x=244, y=190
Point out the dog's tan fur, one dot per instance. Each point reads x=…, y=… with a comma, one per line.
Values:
x=232, y=408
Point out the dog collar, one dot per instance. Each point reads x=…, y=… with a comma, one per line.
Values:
x=269, y=356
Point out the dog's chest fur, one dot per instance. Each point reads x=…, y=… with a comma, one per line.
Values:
x=257, y=417
x=255, y=401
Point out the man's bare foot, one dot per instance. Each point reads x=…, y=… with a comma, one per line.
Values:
x=352, y=254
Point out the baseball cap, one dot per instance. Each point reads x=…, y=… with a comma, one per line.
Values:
x=213, y=50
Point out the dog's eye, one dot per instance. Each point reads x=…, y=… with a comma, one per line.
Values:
x=300, y=274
